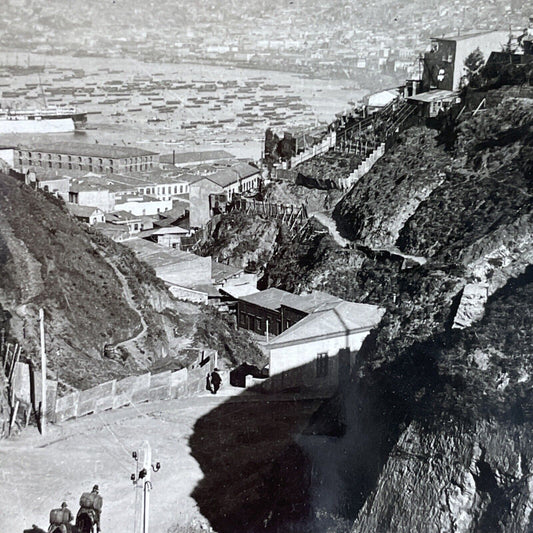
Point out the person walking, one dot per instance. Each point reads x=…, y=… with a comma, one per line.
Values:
x=216, y=381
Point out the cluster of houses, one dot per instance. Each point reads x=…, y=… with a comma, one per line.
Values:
x=133, y=187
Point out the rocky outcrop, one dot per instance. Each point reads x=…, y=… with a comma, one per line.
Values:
x=242, y=240
x=375, y=210
x=459, y=479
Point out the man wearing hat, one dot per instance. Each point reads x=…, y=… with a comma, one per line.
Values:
x=216, y=381
x=90, y=507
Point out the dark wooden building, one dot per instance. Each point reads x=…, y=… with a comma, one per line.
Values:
x=277, y=310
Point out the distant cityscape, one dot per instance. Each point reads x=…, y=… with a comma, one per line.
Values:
x=369, y=41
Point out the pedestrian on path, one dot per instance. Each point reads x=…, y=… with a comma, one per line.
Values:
x=216, y=381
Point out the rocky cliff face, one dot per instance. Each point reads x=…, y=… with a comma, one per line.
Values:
x=242, y=240
x=437, y=422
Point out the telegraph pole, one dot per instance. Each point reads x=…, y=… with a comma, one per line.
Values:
x=43, y=374
x=143, y=486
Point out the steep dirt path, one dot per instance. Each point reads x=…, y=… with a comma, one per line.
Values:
x=129, y=298
x=331, y=226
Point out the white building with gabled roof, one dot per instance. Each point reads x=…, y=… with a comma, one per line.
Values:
x=319, y=351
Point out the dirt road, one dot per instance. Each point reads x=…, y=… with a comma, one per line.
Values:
x=38, y=473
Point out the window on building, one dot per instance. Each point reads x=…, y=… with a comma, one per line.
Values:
x=90, y=160
x=176, y=189
x=322, y=365
x=60, y=165
x=49, y=164
x=70, y=159
x=49, y=157
x=242, y=319
x=29, y=155
x=258, y=324
x=70, y=166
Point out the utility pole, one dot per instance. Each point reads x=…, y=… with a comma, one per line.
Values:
x=143, y=486
x=43, y=374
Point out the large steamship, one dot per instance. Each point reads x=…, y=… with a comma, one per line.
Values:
x=47, y=120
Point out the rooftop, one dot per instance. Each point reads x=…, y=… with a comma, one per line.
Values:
x=331, y=319
x=220, y=272
x=82, y=210
x=274, y=298
x=232, y=174
x=186, y=158
x=433, y=96
x=270, y=298
x=86, y=149
x=120, y=217
x=465, y=36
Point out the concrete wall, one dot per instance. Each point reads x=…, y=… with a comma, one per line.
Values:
x=189, y=295
x=327, y=143
x=199, y=209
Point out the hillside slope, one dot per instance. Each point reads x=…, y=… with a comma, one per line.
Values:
x=436, y=425
x=94, y=292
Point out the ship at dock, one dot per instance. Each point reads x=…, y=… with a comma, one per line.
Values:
x=50, y=119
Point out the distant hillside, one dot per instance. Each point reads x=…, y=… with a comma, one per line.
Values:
x=94, y=292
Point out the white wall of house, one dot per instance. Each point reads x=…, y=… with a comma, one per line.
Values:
x=144, y=207
x=103, y=199
x=296, y=364
x=165, y=191
x=8, y=155
x=96, y=217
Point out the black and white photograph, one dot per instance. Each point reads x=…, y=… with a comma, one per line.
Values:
x=266, y=267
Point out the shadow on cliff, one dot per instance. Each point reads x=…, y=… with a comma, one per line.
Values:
x=289, y=463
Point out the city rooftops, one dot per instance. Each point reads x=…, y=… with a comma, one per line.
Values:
x=121, y=217
x=433, y=96
x=88, y=150
x=82, y=210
